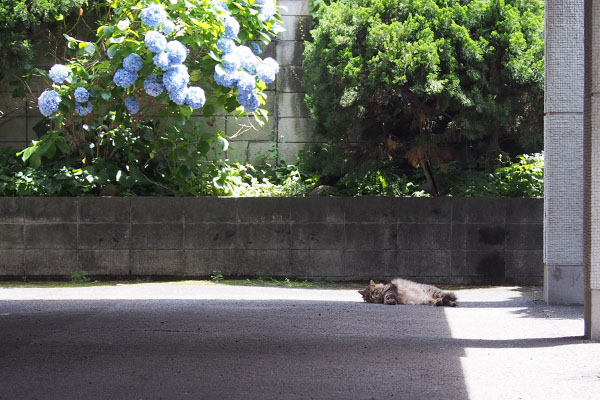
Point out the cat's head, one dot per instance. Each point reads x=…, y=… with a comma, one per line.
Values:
x=368, y=293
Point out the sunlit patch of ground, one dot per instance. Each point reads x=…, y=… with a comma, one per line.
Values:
x=518, y=347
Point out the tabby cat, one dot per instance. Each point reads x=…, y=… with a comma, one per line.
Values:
x=402, y=291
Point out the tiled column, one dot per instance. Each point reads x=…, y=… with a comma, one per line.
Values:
x=592, y=171
x=563, y=143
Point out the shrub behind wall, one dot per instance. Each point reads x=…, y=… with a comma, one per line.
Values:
x=412, y=77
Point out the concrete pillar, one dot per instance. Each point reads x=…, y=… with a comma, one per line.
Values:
x=563, y=145
x=592, y=170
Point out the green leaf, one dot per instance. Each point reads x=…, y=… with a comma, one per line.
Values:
x=35, y=160
x=28, y=152
x=209, y=110
x=186, y=111
x=196, y=75
x=50, y=151
x=105, y=30
x=18, y=93
x=87, y=48
x=61, y=143
x=70, y=38
x=179, y=119
x=231, y=104
x=203, y=147
x=214, y=56
x=46, y=144
x=116, y=40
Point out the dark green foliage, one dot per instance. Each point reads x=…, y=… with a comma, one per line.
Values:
x=413, y=77
x=25, y=22
x=66, y=177
x=523, y=178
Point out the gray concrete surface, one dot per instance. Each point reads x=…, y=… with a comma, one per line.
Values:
x=202, y=341
x=591, y=172
x=564, y=151
x=491, y=241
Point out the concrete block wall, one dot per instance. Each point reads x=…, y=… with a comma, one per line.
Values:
x=18, y=116
x=444, y=240
x=288, y=130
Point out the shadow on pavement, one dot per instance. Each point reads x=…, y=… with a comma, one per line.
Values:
x=173, y=349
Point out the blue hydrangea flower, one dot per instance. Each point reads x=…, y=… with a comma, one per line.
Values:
x=267, y=70
x=226, y=45
x=133, y=106
x=168, y=27
x=248, y=60
x=161, y=60
x=178, y=96
x=220, y=6
x=255, y=47
x=246, y=82
x=153, y=85
x=177, y=52
x=48, y=102
x=83, y=109
x=249, y=100
x=224, y=78
x=232, y=27
x=155, y=41
x=124, y=78
x=265, y=73
x=133, y=62
x=81, y=95
x=272, y=63
x=267, y=9
x=195, y=97
x=176, y=78
x=58, y=73
x=154, y=15
x=231, y=62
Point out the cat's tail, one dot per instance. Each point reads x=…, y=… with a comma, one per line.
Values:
x=448, y=300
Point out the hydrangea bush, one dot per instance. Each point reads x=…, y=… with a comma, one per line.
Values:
x=127, y=102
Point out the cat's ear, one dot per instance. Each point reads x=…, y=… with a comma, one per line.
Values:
x=371, y=283
x=361, y=292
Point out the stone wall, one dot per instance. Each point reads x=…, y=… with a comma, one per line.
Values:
x=288, y=130
x=443, y=240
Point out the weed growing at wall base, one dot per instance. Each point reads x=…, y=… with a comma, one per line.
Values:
x=80, y=276
x=217, y=275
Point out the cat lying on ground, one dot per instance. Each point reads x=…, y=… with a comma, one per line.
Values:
x=402, y=291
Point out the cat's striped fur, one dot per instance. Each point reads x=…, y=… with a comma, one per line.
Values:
x=403, y=291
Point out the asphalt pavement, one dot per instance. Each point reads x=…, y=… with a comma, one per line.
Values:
x=201, y=341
